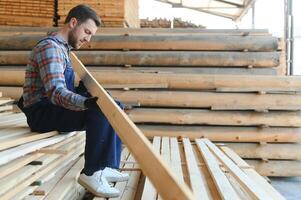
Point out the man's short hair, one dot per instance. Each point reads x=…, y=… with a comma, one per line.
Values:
x=82, y=13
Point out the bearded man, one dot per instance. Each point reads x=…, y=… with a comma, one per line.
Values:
x=51, y=102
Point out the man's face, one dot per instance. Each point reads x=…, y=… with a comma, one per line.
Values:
x=81, y=33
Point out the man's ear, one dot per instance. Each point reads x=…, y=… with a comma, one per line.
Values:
x=73, y=22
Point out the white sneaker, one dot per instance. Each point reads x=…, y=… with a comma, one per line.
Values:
x=98, y=185
x=113, y=175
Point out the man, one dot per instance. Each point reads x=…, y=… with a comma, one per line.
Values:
x=51, y=102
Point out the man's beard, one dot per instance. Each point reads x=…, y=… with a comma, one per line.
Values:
x=72, y=39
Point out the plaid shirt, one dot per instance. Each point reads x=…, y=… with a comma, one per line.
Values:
x=44, y=77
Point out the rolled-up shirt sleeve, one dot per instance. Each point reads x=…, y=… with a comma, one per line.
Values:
x=50, y=59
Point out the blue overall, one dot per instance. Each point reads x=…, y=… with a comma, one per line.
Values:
x=103, y=146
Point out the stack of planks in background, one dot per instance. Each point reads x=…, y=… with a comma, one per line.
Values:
x=47, y=13
x=27, y=13
x=116, y=13
x=218, y=84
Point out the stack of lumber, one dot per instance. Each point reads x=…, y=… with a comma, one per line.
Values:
x=167, y=50
x=27, y=13
x=179, y=23
x=165, y=23
x=191, y=83
x=212, y=172
x=155, y=23
x=116, y=13
x=32, y=163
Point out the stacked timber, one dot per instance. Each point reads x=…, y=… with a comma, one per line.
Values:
x=155, y=23
x=179, y=23
x=212, y=172
x=116, y=13
x=27, y=13
x=32, y=163
x=191, y=83
x=165, y=23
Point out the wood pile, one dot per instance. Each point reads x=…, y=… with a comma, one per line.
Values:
x=191, y=83
x=155, y=23
x=165, y=23
x=116, y=13
x=212, y=172
x=27, y=13
x=33, y=163
x=48, y=13
x=179, y=23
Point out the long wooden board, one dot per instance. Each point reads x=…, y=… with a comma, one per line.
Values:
x=151, y=163
x=162, y=58
x=120, y=42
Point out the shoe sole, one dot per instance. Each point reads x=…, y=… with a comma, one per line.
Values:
x=117, y=179
x=106, y=195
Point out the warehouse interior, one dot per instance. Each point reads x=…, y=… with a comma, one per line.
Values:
x=210, y=113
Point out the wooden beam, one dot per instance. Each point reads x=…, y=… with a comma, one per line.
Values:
x=208, y=117
x=225, y=133
x=163, y=58
x=196, y=177
x=261, y=181
x=216, y=101
x=247, y=183
x=67, y=182
x=138, y=31
x=268, y=151
x=150, y=162
x=225, y=189
x=115, y=77
x=159, y=42
x=278, y=168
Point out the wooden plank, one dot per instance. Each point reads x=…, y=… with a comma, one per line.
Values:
x=247, y=183
x=149, y=192
x=67, y=182
x=176, y=78
x=146, y=31
x=226, y=118
x=252, y=173
x=164, y=58
x=175, y=159
x=225, y=189
x=13, y=153
x=225, y=133
x=196, y=177
x=134, y=139
x=287, y=151
x=157, y=42
x=277, y=168
x=18, y=163
x=25, y=139
x=235, y=101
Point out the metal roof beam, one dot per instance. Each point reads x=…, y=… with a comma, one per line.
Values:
x=231, y=3
x=248, y=5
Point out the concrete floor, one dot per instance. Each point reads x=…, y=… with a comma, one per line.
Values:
x=290, y=188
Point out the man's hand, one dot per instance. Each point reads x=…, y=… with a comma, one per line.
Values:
x=91, y=102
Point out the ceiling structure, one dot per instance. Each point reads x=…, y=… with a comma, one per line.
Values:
x=232, y=9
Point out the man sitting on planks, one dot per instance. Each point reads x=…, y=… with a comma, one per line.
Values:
x=51, y=102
